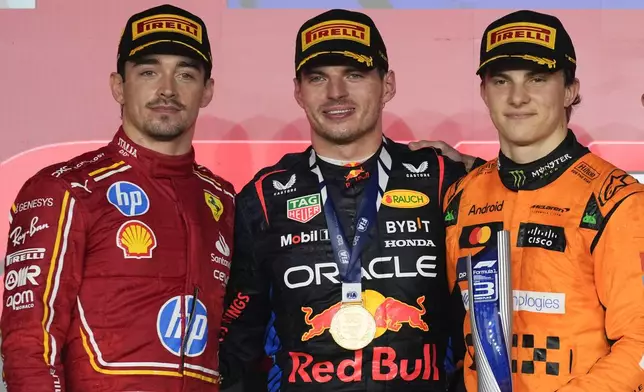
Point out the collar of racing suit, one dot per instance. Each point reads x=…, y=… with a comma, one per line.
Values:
x=154, y=163
x=537, y=174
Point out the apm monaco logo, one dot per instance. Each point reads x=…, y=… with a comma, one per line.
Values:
x=417, y=171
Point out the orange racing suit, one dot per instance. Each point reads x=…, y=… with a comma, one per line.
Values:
x=576, y=225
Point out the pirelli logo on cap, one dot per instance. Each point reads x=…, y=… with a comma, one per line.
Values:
x=336, y=29
x=532, y=33
x=167, y=23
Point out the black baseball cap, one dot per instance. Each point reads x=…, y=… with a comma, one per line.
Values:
x=165, y=29
x=340, y=36
x=527, y=37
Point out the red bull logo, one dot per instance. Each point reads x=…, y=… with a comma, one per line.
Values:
x=390, y=315
x=355, y=175
x=386, y=365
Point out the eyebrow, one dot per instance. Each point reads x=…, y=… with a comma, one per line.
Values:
x=144, y=61
x=348, y=69
x=532, y=73
x=153, y=61
x=189, y=64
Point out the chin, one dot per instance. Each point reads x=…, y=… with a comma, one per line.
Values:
x=165, y=131
x=342, y=135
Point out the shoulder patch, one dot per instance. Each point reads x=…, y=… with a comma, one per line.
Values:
x=89, y=160
x=592, y=217
x=451, y=212
x=614, y=184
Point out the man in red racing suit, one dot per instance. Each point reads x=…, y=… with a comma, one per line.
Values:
x=117, y=260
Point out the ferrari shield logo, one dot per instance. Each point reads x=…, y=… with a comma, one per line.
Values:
x=214, y=203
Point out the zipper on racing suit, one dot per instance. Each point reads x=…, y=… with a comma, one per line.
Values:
x=186, y=336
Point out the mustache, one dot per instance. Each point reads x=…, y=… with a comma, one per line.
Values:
x=165, y=103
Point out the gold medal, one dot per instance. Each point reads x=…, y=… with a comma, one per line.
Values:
x=353, y=327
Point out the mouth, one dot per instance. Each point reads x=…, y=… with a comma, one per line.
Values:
x=165, y=109
x=519, y=116
x=337, y=113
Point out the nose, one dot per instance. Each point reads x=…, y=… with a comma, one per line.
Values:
x=518, y=95
x=336, y=88
x=167, y=87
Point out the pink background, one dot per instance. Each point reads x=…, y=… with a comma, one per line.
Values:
x=56, y=60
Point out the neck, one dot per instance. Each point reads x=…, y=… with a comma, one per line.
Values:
x=178, y=146
x=359, y=149
x=523, y=154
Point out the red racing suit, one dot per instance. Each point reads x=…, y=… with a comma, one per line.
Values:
x=116, y=268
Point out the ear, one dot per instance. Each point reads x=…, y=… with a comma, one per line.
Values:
x=571, y=92
x=389, y=92
x=208, y=93
x=297, y=92
x=116, y=85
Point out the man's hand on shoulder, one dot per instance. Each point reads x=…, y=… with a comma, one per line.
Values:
x=446, y=150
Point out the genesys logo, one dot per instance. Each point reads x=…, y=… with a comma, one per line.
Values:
x=304, y=237
x=378, y=268
x=31, y=204
x=405, y=198
x=531, y=301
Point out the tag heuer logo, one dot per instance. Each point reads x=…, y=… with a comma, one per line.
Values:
x=303, y=209
x=417, y=171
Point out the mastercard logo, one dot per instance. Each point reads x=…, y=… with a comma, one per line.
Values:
x=480, y=235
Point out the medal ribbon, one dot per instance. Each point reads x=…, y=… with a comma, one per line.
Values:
x=348, y=256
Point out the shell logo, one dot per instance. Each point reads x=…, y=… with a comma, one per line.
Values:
x=404, y=198
x=136, y=239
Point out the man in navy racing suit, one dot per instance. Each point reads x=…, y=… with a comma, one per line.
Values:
x=288, y=281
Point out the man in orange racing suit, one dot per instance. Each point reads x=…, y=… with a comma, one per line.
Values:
x=576, y=222
x=118, y=259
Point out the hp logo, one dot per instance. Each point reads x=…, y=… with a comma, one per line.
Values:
x=171, y=326
x=129, y=198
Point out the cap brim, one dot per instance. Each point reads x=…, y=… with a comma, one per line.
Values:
x=329, y=59
x=171, y=47
x=519, y=61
